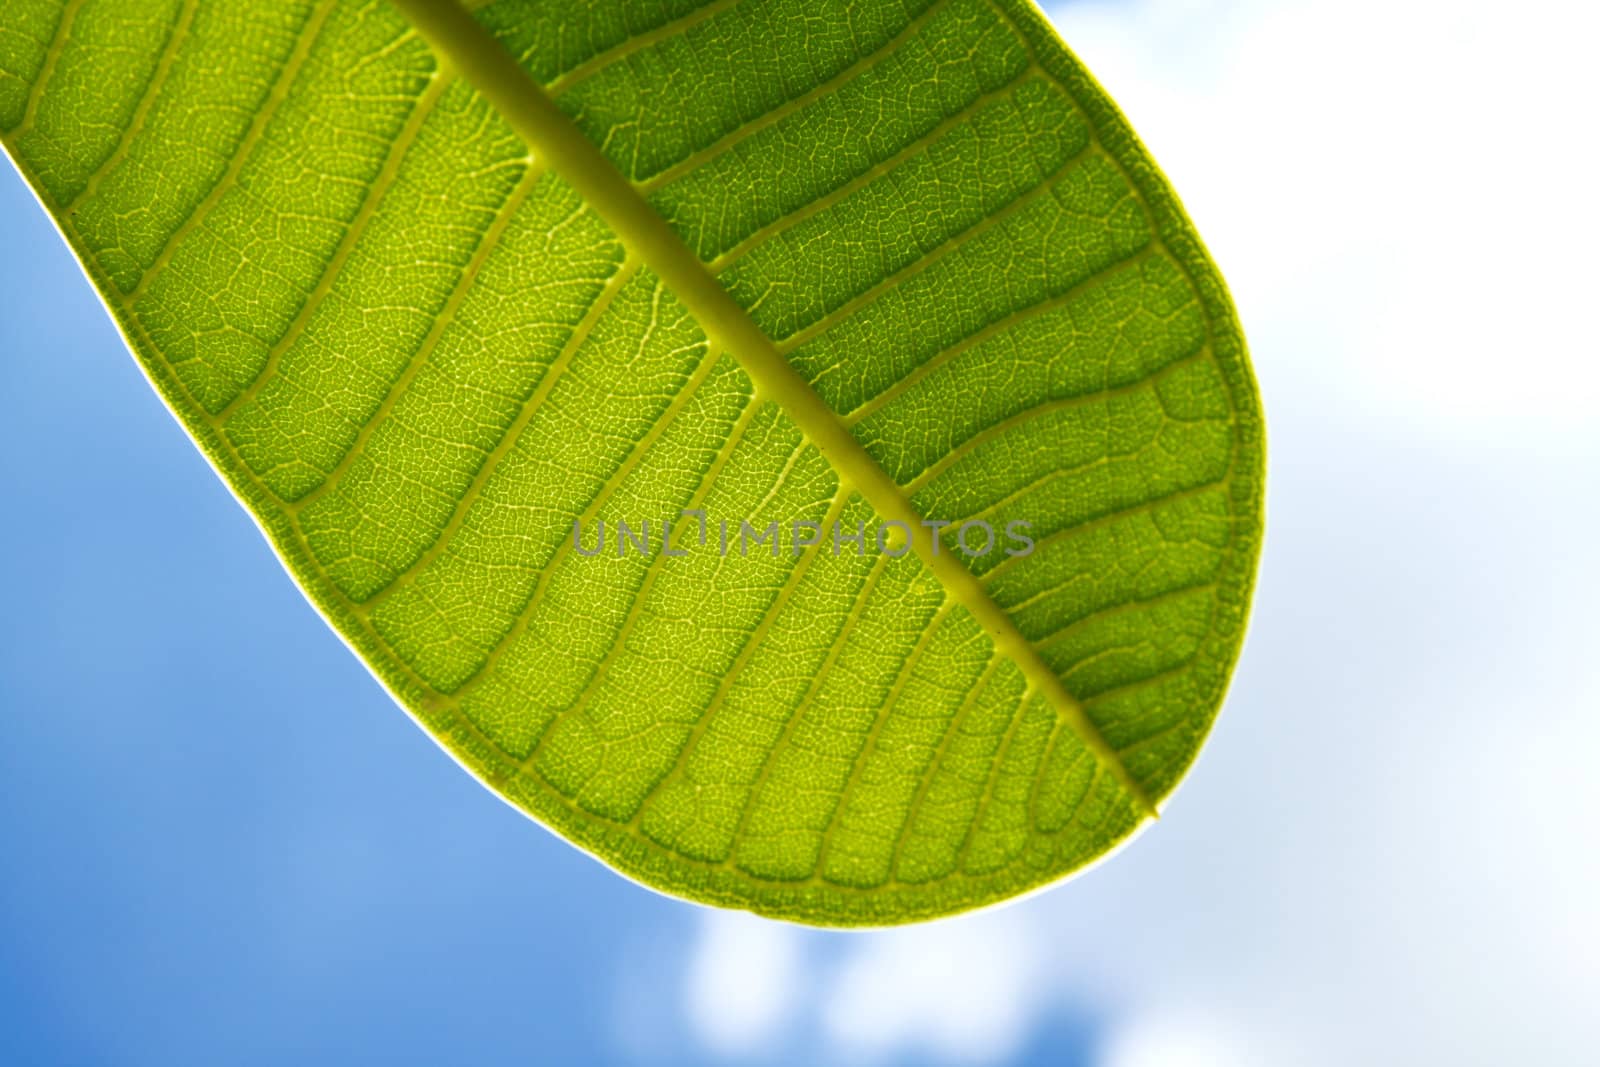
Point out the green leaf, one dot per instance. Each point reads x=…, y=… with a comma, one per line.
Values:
x=431, y=288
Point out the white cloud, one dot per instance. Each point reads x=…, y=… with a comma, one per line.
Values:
x=965, y=990
x=1182, y=1040
x=745, y=982
x=1407, y=178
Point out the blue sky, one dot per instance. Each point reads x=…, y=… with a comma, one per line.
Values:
x=221, y=842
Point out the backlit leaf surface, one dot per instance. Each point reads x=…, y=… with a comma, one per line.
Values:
x=429, y=286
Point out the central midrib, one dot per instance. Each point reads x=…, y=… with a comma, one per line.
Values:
x=533, y=114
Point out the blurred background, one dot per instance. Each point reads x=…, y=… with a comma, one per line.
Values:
x=221, y=843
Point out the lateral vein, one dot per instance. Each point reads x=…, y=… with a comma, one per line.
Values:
x=141, y=112
x=329, y=277
x=310, y=31
x=531, y=173
x=52, y=56
x=508, y=440
x=744, y=131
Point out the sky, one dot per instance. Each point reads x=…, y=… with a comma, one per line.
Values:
x=221, y=842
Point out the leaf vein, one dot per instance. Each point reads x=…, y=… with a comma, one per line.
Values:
x=751, y=127
x=1077, y=529
x=999, y=429
x=747, y=649
x=52, y=56
x=618, y=645
x=508, y=440
x=758, y=787
x=507, y=210
x=815, y=207
x=638, y=42
x=307, y=38
x=936, y=762
x=927, y=259
x=870, y=743
x=329, y=276
x=995, y=329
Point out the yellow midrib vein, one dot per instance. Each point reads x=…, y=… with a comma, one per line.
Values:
x=533, y=114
